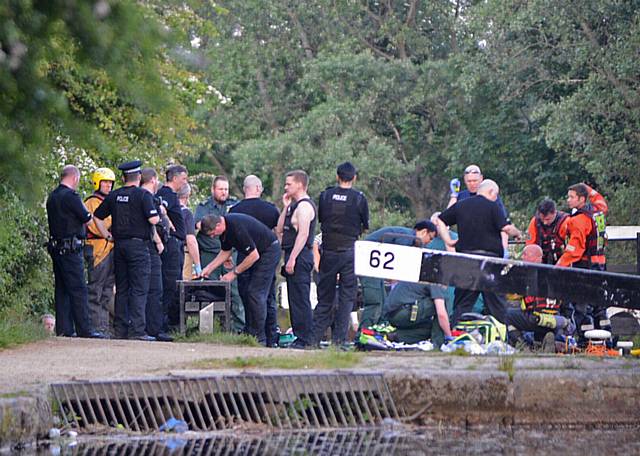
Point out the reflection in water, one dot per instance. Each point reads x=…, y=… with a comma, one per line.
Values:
x=374, y=442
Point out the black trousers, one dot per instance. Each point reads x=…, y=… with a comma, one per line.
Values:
x=154, y=315
x=172, y=263
x=71, y=296
x=464, y=301
x=584, y=315
x=132, y=266
x=271, y=323
x=333, y=263
x=298, y=289
x=254, y=286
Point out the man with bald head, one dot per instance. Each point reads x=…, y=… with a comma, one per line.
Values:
x=67, y=216
x=480, y=221
x=536, y=314
x=268, y=214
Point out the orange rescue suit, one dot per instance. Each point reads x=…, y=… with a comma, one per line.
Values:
x=101, y=247
x=580, y=228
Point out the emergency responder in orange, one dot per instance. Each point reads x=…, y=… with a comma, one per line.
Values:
x=99, y=256
x=548, y=229
x=585, y=249
x=585, y=229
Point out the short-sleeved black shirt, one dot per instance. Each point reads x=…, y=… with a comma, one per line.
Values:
x=480, y=222
x=174, y=211
x=189, y=221
x=259, y=209
x=129, y=208
x=245, y=233
x=66, y=213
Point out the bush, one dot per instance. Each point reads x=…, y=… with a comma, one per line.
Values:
x=26, y=279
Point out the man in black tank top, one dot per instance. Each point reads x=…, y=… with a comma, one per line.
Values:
x=344, y=214
x=296, y=227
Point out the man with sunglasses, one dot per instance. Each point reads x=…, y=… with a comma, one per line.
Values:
x=472, y=179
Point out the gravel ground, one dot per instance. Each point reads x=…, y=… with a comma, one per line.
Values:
x=57, y=359
x=32, y=366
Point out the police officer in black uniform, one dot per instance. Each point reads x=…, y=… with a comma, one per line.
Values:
x=133, y=213
x=268, y=214
x=343, y=214
x=160, y=236
x=66, y=216
x=261, y=251
x=173, y=255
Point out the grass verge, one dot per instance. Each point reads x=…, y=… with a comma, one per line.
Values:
x=16, y=332
x=326, y=359
x=222, y=338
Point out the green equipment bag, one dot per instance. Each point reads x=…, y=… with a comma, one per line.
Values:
x=486, y=326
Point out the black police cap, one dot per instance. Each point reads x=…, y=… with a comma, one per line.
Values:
x=131, y=167
x=346, y=171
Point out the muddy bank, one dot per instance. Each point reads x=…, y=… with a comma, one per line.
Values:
x=530, y=398
x=24, y=419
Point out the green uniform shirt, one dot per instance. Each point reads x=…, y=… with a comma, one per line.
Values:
x=408, y=293
x=210, y=246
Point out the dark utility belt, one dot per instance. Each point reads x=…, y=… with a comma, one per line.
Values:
x=66, y=245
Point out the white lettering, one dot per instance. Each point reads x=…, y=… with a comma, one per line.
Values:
x=122, y=199
x=339, y=197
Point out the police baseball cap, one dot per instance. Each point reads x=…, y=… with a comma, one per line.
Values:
x=425, y=224
x=131, y=167
x=346, y=171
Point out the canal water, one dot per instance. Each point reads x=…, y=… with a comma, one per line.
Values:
x=399, y=441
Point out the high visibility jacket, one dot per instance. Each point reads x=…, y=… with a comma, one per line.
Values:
x=101, y=247
x=551, y=238
x=539, y=304
x=585, y=247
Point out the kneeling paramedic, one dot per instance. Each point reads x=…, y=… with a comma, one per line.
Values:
x=411, y=308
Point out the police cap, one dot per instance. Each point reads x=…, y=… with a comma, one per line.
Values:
x=346, y=171
x=131, y=167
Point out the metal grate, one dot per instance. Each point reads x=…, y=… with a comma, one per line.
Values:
x=331, y=442
x=223, y=402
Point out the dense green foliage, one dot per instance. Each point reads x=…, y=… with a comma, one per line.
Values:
x=541, y=94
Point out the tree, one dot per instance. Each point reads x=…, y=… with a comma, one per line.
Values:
x=574, y=67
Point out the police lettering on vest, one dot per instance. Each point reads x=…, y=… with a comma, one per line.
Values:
x=130, y=207
x=343, y=213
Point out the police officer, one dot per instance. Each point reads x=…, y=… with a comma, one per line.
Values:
x=219, y=204
x=66, y=216
x=343, y=214
x=268, y=214
x=132, y=211
x=155, y=317
x=261, y=252
x=173, y=255
x=99, y=256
